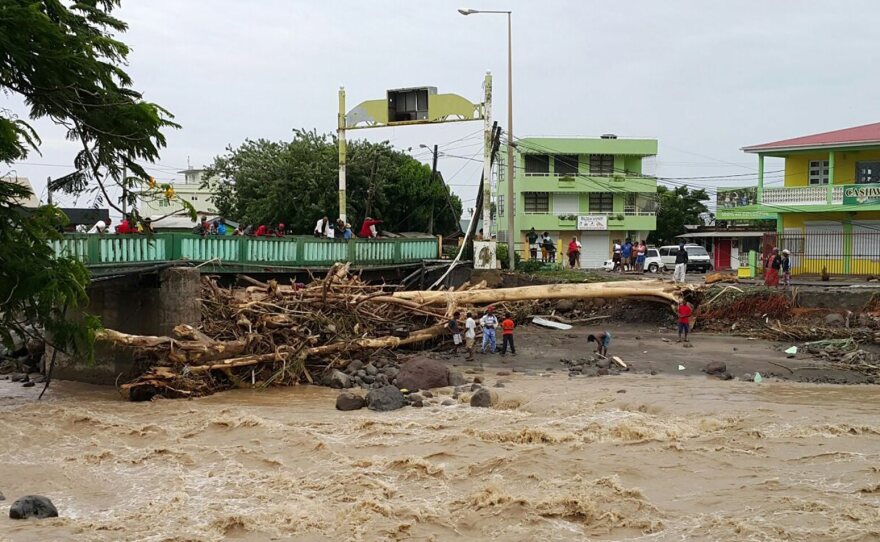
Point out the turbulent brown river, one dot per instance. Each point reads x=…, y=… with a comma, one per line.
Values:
x=614, y=458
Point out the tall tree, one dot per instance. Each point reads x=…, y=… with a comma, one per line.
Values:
x=65, y=61
x=295, y=182
x=677, y=206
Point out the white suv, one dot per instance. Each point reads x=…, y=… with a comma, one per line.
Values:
x=653, y=262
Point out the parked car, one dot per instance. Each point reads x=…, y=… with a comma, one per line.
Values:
x=698, y=258
x=653, y=262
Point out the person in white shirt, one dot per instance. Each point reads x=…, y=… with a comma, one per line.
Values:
x=100, y=227
x=470, y=336
x=489, y=322
x=323, y=228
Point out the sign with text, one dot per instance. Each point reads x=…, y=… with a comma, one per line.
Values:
x=593, y=223
x=861, y=194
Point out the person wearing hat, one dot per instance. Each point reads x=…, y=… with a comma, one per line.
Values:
x=489, y=322
x=786, y=268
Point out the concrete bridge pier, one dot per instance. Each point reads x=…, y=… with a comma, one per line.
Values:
x=144, y=304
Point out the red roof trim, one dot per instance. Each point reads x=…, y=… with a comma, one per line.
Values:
x=868, y=133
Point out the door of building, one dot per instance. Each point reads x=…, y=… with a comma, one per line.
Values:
x=722, y=254
x=595, y=249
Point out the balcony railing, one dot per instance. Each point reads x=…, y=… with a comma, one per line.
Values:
x=809, y=195
x=630, y=212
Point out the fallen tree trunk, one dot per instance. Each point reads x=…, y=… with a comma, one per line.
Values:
x=653, y=290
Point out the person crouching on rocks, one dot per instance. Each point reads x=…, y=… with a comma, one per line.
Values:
x=602, y=340
x=489, y=322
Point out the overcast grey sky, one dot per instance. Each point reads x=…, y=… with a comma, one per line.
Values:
x=703, y=77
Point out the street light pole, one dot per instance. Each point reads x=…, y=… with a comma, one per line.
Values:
x=511, y=197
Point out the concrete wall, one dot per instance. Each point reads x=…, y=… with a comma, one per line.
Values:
x=151, y=304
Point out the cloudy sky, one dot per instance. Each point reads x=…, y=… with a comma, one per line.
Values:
x=705, y=78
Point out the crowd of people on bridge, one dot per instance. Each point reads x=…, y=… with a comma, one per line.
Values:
x=324, y=228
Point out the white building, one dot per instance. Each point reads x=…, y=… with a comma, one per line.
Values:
x=31, y=201
x=189, y=190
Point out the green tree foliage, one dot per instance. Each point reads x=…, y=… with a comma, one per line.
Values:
x=296, y=182
x=677, y=206
x=65, y=61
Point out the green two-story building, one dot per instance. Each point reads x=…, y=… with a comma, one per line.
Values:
x=589, y=188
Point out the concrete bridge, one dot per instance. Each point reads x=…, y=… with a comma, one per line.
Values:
x=108, y=254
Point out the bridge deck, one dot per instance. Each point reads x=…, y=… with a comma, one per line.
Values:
x=295, y=252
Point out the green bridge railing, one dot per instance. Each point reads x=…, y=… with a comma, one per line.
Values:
x=104, y=250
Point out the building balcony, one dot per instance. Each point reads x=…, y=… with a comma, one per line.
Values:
x=553, y=182
x=745, y=203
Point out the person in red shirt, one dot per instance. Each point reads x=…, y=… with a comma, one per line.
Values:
x=684, y=320
x=507, y=326
x=262, y=231
x=124, y=227
x=574, y=252
x=368, y=229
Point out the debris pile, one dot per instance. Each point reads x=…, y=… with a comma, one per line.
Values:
x=271, y=334
x=845, y=354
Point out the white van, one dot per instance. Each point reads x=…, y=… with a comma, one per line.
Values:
x=698, y=258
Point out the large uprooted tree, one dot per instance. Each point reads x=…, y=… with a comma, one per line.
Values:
x=64, y=62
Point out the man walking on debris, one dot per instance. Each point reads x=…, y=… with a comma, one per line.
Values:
x=456, y=332
x=507, y=326
x=489, y=322
x=470, y=336
x=681, y=263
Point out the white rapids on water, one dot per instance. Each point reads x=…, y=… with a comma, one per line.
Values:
x=617, y=458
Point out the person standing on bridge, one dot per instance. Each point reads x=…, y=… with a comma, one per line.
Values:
x=221, y=226
x=100, y=227
x=279, y=230
x=368, y=229
x=262, y=231
x=347, y=234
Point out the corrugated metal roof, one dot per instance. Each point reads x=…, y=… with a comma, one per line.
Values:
x=858, y=135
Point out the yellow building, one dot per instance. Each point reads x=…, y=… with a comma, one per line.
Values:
x=828, y=209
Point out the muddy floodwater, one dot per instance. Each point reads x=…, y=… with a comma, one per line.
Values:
x=629, y=457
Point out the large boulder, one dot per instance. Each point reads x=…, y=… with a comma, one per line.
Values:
x=483, y=398
x=337, y=379
x=350, y=401
x=715, y=368
x=456, y=379
x=422, y=374
x=33, y=506
x=385, y=398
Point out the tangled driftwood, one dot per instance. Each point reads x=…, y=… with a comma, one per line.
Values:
x=284, y=334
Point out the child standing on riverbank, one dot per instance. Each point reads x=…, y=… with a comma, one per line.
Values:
x=456, y=332
x=684, y=320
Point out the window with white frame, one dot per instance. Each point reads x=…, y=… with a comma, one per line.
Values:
x=537, y=202
x=500, y=205
x=818, y=172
